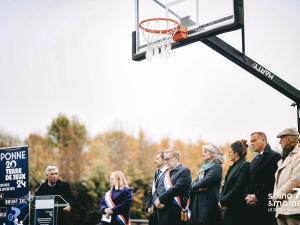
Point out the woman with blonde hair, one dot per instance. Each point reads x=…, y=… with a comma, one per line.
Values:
x=205, y=195
x=115, y=205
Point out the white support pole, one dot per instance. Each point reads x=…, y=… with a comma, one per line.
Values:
x=136, y=22
x=170, y=4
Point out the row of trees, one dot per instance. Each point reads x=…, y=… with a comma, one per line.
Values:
x=87, y=162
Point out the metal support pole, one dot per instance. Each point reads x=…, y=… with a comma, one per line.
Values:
x=298, y=116
x=256, y=70
x=252, y=67
x=243, y=42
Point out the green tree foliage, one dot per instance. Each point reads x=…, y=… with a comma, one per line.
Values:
x=68, y=138
x=88, y=194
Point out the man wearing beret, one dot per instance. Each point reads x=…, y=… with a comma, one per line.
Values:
x=287, y=179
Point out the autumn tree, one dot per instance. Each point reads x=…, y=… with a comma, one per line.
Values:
x=68, y=138
x=7, y=140
x=40, y=156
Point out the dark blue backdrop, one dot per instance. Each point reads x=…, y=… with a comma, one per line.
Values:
x=14, y=185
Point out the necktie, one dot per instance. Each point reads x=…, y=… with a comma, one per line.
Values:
x=157, y=175
x=256, y=160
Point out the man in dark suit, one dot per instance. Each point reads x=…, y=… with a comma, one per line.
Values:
x=54, y=186
x=172, y=203
x=261, y=182
x=157, y=187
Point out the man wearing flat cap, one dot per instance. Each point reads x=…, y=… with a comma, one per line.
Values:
x=287, y=179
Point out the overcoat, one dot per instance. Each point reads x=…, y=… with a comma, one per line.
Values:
x=234, y=192
x=204, y=203
x=262, y=179
x=287, y=177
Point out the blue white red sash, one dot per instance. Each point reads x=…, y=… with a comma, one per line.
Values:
x=109, y=202
x=177, y=201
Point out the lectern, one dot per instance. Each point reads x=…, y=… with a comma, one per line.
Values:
x=47, y=209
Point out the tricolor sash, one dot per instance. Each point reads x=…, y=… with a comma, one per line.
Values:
x=109, y=202
x=176, y=200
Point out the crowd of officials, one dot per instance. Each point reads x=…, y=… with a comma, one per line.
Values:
x=263, y=192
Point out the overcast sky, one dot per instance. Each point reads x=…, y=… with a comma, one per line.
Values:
x=74, y=57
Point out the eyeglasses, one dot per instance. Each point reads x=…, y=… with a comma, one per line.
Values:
x=168, y=159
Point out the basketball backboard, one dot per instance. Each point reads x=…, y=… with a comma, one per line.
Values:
x=202, y=18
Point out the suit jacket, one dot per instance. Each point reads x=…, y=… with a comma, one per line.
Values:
x=287, y=177
x=158, y=187
x=181, y=179
x=181, y=185
x=262, y=176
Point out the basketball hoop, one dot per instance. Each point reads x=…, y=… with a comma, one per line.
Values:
x=158, y=33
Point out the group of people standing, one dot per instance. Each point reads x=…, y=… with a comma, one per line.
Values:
x=263, y=192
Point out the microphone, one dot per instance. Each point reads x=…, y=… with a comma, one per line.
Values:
x=39, y=185
x=35, y=181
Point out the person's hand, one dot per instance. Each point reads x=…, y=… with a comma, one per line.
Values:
x=251, y=199
x=108, y=211
x=160, y=206
x=222, y=206
x=202, y=189
x=67, y=208
x=156, y=202
x=150, y=210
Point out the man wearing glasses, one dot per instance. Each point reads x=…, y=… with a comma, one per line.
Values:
x=174, y=201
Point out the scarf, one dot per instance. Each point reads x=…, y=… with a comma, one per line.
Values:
x=206, y=166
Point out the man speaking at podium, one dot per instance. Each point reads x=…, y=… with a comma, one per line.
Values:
x=54, y=186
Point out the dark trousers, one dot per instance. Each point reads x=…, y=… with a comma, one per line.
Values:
x=170, y=215
x=153, y=220
x=259, y=215
x=235, y=216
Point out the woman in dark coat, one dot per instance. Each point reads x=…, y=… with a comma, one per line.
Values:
x=234, y=188
x=117, y=201
x=205, y=199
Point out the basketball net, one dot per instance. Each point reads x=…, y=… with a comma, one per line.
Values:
x=158, y=33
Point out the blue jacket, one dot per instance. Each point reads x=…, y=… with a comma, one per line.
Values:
x=123, y=201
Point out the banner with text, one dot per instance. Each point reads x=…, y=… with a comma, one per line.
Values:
x=14, y=186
